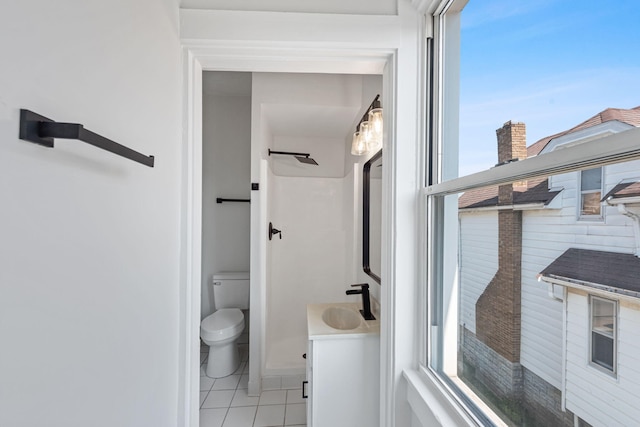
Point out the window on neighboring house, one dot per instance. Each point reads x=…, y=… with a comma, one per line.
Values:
x=590, y=192
x=603, y=333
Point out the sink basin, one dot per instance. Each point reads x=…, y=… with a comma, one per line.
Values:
x=341, y=318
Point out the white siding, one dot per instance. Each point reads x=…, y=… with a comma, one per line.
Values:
x=541, y=340
x=546, y=235
x=596, y=397
x=478, y=261
x=619, y=172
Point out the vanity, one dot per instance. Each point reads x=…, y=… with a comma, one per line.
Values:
x=343, y=366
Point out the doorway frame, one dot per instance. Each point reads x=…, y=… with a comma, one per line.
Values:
x=207, y=47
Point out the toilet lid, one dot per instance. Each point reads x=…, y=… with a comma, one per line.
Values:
x=223, y=323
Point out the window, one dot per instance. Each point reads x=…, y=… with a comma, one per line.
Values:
x=496, y=335
x=590, y=192
x=603, y=333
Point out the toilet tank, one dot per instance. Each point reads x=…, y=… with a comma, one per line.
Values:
x=231, y=290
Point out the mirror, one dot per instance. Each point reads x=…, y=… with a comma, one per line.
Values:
x=372, y=216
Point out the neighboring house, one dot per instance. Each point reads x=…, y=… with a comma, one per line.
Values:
x=537, y=326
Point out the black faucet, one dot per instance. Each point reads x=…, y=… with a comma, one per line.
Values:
x=366, y=301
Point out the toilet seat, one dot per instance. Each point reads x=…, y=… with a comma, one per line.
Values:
x=223, y=324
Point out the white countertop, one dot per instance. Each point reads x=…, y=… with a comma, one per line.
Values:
x=318, y=329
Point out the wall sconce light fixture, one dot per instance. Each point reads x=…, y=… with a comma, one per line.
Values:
x=368, y=135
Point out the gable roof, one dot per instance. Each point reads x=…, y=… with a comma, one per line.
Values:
x=537, y=190
x=614, y=272
x=629, y=116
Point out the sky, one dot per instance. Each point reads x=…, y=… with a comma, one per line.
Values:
x=551, y=64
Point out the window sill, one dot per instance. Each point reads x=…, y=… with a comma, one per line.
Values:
x=431, y=402
x=591, y=218
x=605, y=373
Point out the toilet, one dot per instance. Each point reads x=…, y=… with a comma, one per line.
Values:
x=221, y=329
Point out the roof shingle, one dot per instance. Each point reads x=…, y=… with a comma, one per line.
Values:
x=611, y=271
x=537, y=191
x=629, y=116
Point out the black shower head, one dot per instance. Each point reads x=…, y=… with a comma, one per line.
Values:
x=307, y=160
x=302, y=157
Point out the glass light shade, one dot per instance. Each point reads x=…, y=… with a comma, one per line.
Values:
x=367, y=132
x=375, y=118
x=376, y=129
x=358, y=144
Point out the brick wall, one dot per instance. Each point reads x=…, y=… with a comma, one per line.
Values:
x=537, y=398
x=498, y=313
x=544, y=400
x=501, y=376
x=498, y=310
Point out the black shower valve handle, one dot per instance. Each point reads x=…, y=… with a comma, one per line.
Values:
x=273, y=230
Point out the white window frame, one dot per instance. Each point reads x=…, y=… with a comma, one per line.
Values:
x=614, y=371
x=434, y=380
x=581, y=193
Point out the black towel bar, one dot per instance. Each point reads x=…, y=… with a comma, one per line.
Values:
x=221, y=200
x=41, y=130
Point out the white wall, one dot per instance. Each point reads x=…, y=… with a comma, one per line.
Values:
x=478, y=260
x=309, y=263
x=596, y=397
x=327, y=152
x=260, y=258
x=89, y=266
x=226, y=170
x=305, y=90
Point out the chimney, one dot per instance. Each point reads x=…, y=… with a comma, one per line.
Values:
x=498, y=309
x=512, y=142
x=512, y=146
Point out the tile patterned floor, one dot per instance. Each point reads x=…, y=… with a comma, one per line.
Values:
x=224, y=401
